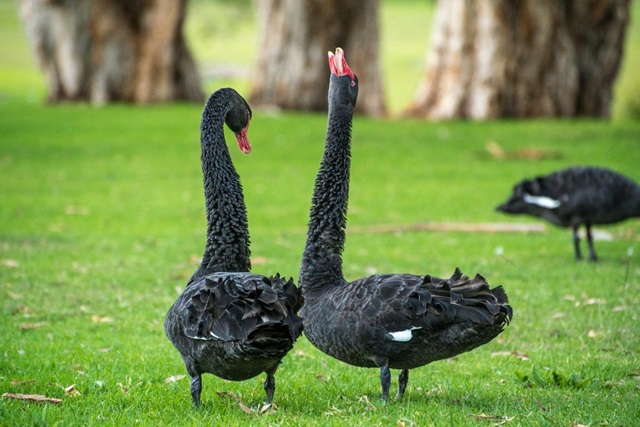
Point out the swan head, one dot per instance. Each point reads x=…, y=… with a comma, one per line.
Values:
x=344, y=83
x=237, y=119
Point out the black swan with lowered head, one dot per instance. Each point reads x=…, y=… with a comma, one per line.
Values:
x=229, y=322
x=577, y=196
x=399, y=321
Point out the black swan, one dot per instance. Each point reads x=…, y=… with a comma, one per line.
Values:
x=577, y=196
x=399, y=321
x=230, y=322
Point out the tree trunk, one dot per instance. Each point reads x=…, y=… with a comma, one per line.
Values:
x=292, y=72
x=112, y=50
x=529, y=58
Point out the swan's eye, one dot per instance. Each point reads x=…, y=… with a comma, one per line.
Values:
x=353, y=83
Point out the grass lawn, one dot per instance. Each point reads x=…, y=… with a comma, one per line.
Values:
x=102, y=222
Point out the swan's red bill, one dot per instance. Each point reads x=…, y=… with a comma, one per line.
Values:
x=243, y=141
x=338, y=64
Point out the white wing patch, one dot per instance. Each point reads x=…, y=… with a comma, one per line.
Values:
x=215, y=336
x=403, y=336
x=542, y=201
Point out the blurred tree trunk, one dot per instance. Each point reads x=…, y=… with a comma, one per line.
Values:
x=529, y=58
x=112, y=50
x=292, y=71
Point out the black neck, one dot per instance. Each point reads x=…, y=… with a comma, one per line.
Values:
x=227, y=247
x=322, y=258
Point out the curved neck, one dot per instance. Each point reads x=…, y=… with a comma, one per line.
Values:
x=322, y=258
x=227, y=247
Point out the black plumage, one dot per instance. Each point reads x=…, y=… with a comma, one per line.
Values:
x=399, y=321
x=229, y=322
x=577, y=196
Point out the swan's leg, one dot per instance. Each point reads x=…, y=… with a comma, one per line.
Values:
x=576, y=242
x=592, y=251
x=196, y=389
x=270, y=384
x=403, y=379
x=196, y=381
x=385, y=381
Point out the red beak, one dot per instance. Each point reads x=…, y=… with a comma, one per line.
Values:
x=338, y=64
x=243, y=141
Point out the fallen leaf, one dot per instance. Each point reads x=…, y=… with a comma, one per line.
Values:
x=484, y=417
x=101, y=319
x=238, y=400
x=71, y=390
x=615, y=383
x=258, y=260
x=435, y=391
x=30, y=326
x=524, y=153
x=245, y=408
x=264, y=409
x=495, y=150
x=321, y=377
x=370, y=405
x=26, y=382
x=105, y=349
x=11, y=263
x=333, y=411
x=14, y=295
x=229, y=394
x=268, y=408
x=80, y=368
x=173, y=378
x=519, y=355
x=76, y=210
x=31, y=397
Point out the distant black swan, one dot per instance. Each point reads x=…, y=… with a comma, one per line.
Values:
x=228, y=321
x=577, y=196
x=399, y=321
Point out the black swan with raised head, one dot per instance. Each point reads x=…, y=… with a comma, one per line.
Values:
x=229, y=322
x=577, y=196
x=399, y=321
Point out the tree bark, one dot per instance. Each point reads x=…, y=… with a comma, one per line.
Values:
x=101, y=51
x=292, y=72
x=529, y=58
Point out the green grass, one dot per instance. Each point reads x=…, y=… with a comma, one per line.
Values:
x=102, y=222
